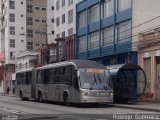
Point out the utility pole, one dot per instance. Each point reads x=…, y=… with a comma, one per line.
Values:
x=47, y=47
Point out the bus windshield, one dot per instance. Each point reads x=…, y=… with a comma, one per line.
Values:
x=94, y=79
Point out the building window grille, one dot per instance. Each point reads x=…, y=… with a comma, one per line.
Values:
x=12, y=30
x=70, y=16
x=123, y=5
x=11, y=4
x=58, y=21
x=108, y=8
x=12, y=17
x=29, y=8
x=57, y=5
x=37, y=8
x=29, y=21
x=94, y=14
x=43, y=8
x=63, y=18
x=30, y=45
x=63, y=3
x=70, y=2
x=93, y=40
x=30, y=33
x=70, y=31
x=124, y=31
x=83, y=44
x=107, y=36
x=12, y=43
x=83, y=19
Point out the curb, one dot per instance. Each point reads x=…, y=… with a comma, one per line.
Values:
x=138, y=108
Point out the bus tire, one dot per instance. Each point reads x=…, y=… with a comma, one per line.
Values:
x=21, y=96
x=40, y=99
x=66, y=99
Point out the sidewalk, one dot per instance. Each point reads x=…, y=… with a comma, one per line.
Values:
x=154, y=107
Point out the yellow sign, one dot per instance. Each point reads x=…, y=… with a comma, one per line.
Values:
x=93, y=70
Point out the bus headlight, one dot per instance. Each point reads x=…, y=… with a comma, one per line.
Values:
x=83, y=93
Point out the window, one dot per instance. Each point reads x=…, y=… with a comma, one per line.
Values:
x=12, y=17
x=37, y=8
x=70, y=2
x=58, y=21
x=43, y=8
x=53, y=20
x=124, y=31
x=63, y=3
x=70, y=31
x=82, y=43
x=28, y=77
x=63, y=18
x=93, y=40
x=94, y=14
x=40, y=77
x=12, y=57
x=29, y=21
x=30, y=45
x=70, y=16
x=57, y=5
x=22, y=3
x=21, y=15
x=12, y=43
x=108, y=8
x=123, y=5
x=11, y=4
x=12, y=30
x=107, y=36
x=36, y=20
x=63, y=34
x=58, y=35
x=29, y=8
x=52, y=7
x=52, y=32
x=30, y=33
x=43, y=21
x=83, y=19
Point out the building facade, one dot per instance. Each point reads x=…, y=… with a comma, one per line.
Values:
x=22, y=27
x=107, y=29
x=65, y=24
x=149, y=59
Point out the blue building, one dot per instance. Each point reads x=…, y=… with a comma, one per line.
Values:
x=104, y=31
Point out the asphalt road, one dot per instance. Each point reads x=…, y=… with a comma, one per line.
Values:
x=49, y=110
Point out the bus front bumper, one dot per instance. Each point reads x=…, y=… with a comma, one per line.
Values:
x=85, y=99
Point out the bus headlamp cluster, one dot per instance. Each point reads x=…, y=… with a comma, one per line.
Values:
x=84, y=93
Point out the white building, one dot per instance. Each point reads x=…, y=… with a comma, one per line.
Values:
x=50, y=21
x=13, y=24
x=65, y=17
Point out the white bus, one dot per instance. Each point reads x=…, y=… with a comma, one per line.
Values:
x=77, y=81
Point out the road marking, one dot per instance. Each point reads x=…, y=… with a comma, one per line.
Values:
x=12, y=111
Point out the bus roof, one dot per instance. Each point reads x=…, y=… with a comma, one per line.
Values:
x=25, y=70
x=77, y=63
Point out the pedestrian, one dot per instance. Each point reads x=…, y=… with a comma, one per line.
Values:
x=8, y=89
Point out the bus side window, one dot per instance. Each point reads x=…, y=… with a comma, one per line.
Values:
x=75, y=81
x=40, y=77
x=28, y=77
x=46, y=76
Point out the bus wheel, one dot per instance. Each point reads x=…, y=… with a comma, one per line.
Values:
x=21, y=96
x=40, y=97
x=66, y=99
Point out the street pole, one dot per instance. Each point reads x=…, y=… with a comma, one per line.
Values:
x=47, y=56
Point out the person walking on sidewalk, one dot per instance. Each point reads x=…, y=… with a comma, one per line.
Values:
x=8, y=90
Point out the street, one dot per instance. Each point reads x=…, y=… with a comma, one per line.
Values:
x=48, y=110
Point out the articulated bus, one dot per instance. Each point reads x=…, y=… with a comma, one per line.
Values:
x=77, y=81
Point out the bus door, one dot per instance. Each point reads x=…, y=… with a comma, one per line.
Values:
x=33, y=85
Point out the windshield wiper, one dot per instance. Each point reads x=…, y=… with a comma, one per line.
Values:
x=93, y=82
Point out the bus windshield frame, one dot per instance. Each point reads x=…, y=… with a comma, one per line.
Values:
x=94, y=79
